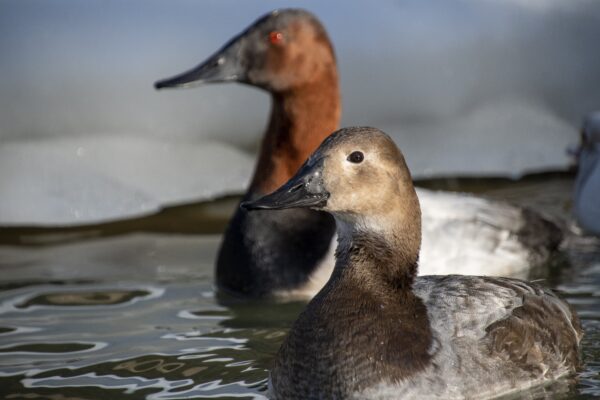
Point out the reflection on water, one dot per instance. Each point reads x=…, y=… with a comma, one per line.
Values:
x=136, y=317
x=161, y=342
x=84, y=298
x=51, y=347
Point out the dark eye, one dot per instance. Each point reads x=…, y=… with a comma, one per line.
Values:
x=276, y=37
x=356, y=157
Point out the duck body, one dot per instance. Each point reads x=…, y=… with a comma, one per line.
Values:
x=288, y=54
x=453, y=337
x=586, y=204
x=283, y=254
x=471, y=235
x=376, y=330
x=289, y=253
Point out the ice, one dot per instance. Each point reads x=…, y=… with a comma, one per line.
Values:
x=85, y=180
x=493, y=137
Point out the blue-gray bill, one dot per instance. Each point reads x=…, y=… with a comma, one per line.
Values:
x=223, y=66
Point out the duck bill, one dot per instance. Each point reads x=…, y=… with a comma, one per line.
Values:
x=223, y=66
x=303, y=190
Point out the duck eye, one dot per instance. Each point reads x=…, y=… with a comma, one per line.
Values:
x=276, y=37
x=356, y=157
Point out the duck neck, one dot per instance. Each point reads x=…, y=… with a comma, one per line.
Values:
x=301, y=118
x=379, y=254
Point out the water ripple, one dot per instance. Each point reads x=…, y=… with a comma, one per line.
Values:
x=76, y=297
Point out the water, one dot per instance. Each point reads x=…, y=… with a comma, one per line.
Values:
x=128, y=310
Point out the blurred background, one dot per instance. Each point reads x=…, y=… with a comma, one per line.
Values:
x=114, y=196
x=466, y=87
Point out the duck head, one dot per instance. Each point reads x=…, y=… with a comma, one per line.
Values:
x=280, y=51
x=590, y=136
x=358, y=175
x=587, y=183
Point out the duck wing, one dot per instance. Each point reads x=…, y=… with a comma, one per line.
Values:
x=494, y=336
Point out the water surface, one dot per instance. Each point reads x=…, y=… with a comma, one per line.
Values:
x=128, y=310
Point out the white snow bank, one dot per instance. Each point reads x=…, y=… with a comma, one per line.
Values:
x=84, y=180
x=506, y=139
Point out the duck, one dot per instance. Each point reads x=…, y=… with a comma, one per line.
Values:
x=289, y=253
x=586, y=196
x=376, y=330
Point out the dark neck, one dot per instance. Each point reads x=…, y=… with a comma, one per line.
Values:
x=383, y=261
x=300, y=119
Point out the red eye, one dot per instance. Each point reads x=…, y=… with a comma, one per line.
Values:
x=276, y=37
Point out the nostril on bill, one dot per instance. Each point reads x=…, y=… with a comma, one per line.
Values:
x=296, y=188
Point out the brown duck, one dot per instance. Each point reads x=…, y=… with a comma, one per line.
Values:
x=375, y=330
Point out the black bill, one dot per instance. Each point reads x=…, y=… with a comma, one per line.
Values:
x=303, y=190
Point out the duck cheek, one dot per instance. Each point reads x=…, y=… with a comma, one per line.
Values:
x=339, y=204
x=275, y=72
x=336, y=204
x=331, y=183
x=257, y=76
